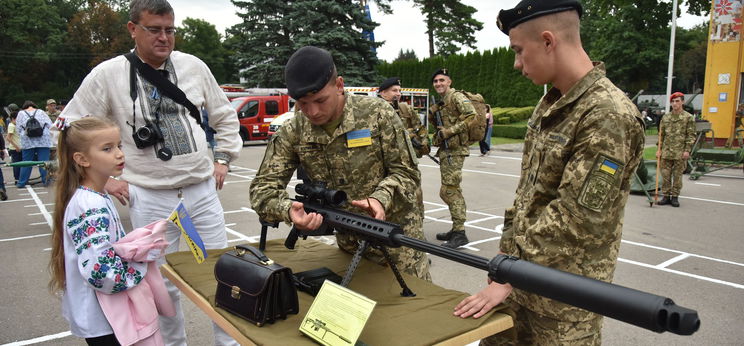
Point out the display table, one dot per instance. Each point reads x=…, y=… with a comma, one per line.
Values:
x=422, y=320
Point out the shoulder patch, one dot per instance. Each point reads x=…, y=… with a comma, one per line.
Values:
x=604, y=176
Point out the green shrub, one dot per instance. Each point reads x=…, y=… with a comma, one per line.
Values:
x=502, y=120
x=510, y=131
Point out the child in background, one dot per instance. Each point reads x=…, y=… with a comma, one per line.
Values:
x=112, y=289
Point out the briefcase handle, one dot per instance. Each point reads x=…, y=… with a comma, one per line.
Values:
x=240, y=250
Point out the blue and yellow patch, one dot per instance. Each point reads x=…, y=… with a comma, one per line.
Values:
x=608, y=167
x=359, y=138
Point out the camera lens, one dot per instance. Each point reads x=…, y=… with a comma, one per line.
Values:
x=144, y=133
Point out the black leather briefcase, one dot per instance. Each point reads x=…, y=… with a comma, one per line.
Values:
x=252, y=286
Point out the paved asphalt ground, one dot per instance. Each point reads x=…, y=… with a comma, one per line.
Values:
x=691, y=254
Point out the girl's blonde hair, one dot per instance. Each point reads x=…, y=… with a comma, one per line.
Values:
x=75, y=138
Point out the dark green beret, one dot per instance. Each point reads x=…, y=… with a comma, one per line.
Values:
x=308, y=70
x=388, y=83
x=531, y=9
x=442, y=71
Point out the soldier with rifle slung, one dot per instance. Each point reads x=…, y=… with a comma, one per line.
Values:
x=583, y=143
x=389, y=91
x=451, y=117
x=353, y=143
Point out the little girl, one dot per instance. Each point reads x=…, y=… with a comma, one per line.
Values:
x=112, y=288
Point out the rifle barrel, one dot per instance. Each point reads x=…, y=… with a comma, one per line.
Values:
x=625, y=304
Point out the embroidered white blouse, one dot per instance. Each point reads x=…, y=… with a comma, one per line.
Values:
x=91, y=225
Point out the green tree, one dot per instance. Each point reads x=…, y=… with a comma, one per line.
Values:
x=632, y=38
x=449, y=25
x=201, y=39
x=408, y=54
x=272, y=30
x=31, y=34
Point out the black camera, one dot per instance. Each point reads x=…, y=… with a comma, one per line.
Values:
x=147, y=135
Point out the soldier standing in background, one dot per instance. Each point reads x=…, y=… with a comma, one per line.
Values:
x=583, y=143
x=353, y=143
x=390, y=91
x=677, y=134
x=456, y=111
x=51, y=109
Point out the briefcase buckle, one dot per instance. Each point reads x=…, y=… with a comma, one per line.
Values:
x=235, y=292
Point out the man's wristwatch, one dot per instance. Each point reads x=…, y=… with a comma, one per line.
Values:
x=222, y=162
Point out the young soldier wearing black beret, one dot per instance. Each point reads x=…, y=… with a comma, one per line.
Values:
x=584, y=140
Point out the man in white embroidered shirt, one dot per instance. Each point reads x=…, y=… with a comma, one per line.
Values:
x=167, y=153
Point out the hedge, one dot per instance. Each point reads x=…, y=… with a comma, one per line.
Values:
x=509, y=131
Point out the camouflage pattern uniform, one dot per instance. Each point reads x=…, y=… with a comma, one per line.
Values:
x=416, y=131
x=456, y=113
x=677, y=133
x=385, y=170
x=579, y=154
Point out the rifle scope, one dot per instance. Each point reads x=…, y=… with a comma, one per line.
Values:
x=318, y=193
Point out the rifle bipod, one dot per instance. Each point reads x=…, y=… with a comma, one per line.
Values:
x=363, y=245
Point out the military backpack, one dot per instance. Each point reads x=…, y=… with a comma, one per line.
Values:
x=476, y=125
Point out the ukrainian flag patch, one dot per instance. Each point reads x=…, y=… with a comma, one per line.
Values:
x=609, y=167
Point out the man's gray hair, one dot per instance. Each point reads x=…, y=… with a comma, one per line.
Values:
x=156, y=7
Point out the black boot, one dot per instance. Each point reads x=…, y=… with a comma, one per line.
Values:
x=445, y=235
x=457, y=239
x=675, y=202
x=663, y=201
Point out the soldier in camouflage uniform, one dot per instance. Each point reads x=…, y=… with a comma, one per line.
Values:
x=389, y=90
x=353, y=143
x=677, y=133
x=457, y=112
x=584, y=141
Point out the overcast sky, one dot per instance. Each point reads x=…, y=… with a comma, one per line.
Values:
x=404, y=29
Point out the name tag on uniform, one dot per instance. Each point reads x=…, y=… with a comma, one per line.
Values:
x=359, y=138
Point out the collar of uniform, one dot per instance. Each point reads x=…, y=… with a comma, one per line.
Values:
x=577, y=90
x=448, y=94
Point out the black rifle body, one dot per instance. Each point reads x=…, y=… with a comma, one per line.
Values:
x=632, y=306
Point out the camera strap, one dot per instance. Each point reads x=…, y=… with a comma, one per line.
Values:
x=165, y=86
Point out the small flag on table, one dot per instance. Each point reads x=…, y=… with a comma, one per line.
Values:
x=181, y=218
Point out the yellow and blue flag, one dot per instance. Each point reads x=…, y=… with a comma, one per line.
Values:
x=359, y=138
x=609, y=167
x=181, y=218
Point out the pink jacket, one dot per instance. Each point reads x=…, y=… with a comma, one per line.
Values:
x=133, y=314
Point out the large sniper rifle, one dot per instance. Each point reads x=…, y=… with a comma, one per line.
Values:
x=641, y=309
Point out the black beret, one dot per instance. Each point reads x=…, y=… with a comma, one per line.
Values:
x=531, y=9
x=442, y=71
x=388, y=83
x=308, y=70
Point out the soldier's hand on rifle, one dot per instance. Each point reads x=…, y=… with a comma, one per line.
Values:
x=685, y=155
x=302, y=220
x=443, y=133
x=482, y=302
x=372, y=206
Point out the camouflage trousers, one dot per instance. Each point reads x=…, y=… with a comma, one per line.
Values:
x=407, y=260
x=531, y=328
x=671, y=174
x=451, y=192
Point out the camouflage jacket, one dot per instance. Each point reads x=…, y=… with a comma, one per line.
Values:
x=456, y=113
x=579, y=153
x=677, y=133
x=416, y=131
x=385, y=170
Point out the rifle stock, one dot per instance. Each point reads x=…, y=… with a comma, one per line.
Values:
x=642, y=309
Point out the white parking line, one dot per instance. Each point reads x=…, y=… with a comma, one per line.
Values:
x=42, y=207
x=707, y=184
x=26, y=237
x=39, y=339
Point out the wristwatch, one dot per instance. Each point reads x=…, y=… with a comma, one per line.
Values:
x=222, y=162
